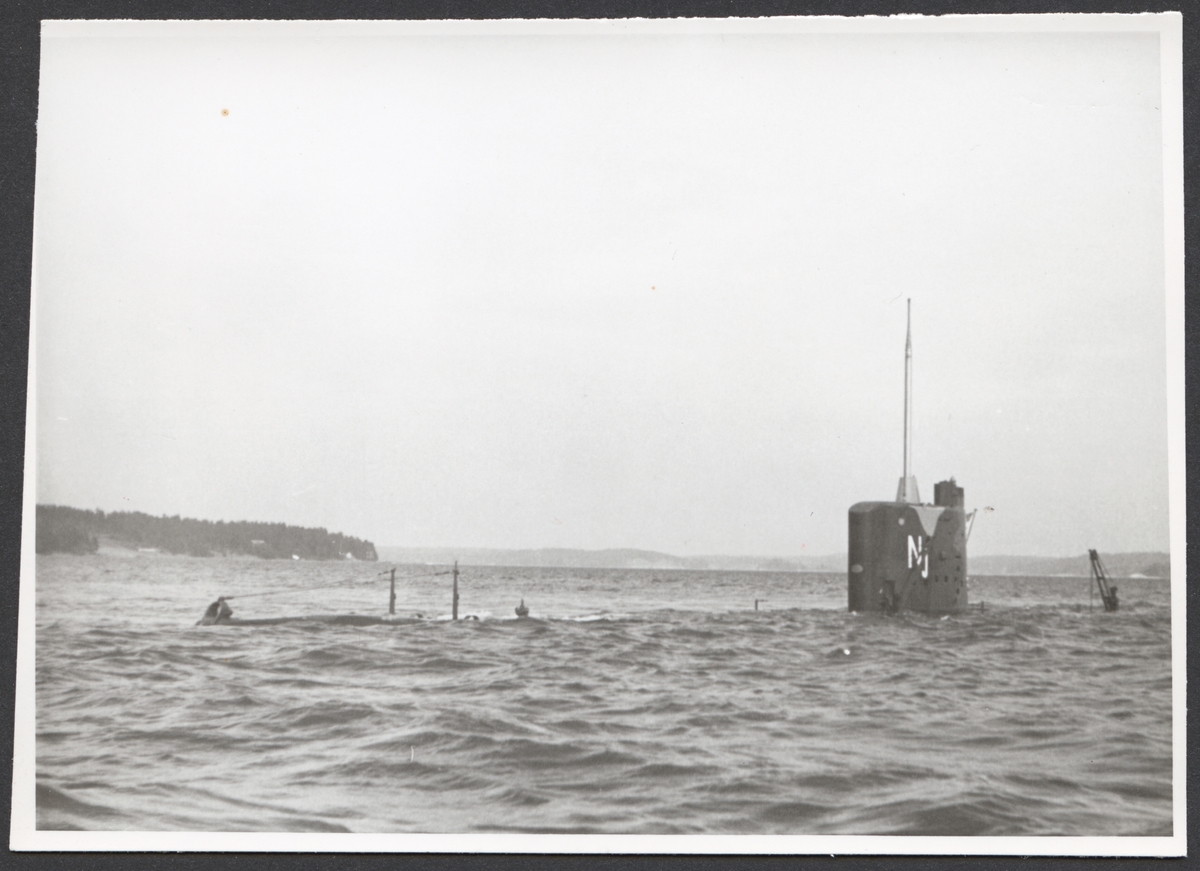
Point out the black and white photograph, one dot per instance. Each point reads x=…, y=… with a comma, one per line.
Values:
x=754, y=435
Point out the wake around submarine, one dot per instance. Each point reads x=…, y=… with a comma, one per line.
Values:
x=908, y=555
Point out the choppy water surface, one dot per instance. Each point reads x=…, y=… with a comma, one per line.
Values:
x=633, y=702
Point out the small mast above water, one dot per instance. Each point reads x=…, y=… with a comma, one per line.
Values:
x=907, y=490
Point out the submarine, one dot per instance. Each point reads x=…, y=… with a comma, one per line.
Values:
x=907, y=555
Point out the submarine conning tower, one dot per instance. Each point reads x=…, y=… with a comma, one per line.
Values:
x=910, y=556
x=906, y=554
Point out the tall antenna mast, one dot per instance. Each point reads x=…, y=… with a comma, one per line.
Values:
x=908, y=394
x=907, y=491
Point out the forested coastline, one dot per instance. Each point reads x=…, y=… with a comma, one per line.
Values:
x=61, y=529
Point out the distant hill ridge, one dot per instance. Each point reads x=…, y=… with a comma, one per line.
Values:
x=614, y=558
x=73, y=530
x=1150, y=563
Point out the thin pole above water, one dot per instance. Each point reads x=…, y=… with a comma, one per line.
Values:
x=908, y=394
x=907, y=491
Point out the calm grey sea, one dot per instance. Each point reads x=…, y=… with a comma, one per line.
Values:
x=633, y=701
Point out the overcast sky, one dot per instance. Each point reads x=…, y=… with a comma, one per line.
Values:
x=603, y=290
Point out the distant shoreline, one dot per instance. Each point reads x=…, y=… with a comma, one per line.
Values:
x=62, y=529
x=72, y=530
x=1151, y=564
x=117, y=550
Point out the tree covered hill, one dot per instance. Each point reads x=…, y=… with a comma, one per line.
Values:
x=72, y=530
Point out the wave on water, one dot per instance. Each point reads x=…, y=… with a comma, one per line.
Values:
x=619, y=706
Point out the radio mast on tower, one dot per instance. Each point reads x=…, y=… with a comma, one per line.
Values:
x=907, y=491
